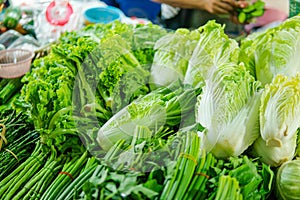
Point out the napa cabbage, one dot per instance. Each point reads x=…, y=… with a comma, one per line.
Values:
x=228, y=109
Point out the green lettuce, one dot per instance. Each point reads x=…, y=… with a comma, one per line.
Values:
x=144, y=39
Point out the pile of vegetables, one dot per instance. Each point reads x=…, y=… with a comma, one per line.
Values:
x=118, y=111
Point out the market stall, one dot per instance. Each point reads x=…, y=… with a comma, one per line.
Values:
x=127, y=110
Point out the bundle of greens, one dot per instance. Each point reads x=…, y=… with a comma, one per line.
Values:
x=199, y=185
x=231, y=191
x=17, y=140
x=87, y=77
x=166, y=106
x=177, y=185
x=240, y=178
x=251, y=12
x=8, y=87
x=11, y=185
x=46, y=98
x=9, y=91
x=68, y=173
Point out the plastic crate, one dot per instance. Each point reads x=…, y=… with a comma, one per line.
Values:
x=137, y=8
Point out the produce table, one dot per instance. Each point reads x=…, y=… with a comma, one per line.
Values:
x=122, y=111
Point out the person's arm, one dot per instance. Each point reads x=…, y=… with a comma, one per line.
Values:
x=212, y=6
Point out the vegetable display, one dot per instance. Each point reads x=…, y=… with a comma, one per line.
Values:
x=119, y=111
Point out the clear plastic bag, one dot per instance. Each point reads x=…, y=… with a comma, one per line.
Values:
x=25, y=42
x=9, y=37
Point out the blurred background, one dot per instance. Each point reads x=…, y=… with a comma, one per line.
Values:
x=35, y=23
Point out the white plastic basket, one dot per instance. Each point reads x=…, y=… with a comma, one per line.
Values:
x=15, y=62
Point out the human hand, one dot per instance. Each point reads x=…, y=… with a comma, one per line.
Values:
x=212, y=6
x=224, y=6
x=239, y=4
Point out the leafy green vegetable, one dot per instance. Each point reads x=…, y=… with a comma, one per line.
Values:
x=279, y=110
x=249, y=13
x=121, y=78
x=275, y=156
x=228, y=109
x=173, y=52
x=144, y=39
x=213, y=49
x=274, y=51
x=88, y=76
x=252, y=178
x=228, y=188
x=46, y=97
x=161, y=107
x=279, y=120
x=177, y=186
x=287, y=180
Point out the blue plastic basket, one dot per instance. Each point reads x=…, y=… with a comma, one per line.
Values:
x=102, y=14
x=140, y=8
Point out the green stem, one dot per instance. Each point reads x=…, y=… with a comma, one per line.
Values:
x=62, y=181
x=29, y=162
x=77, y=183
x=26, y=174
